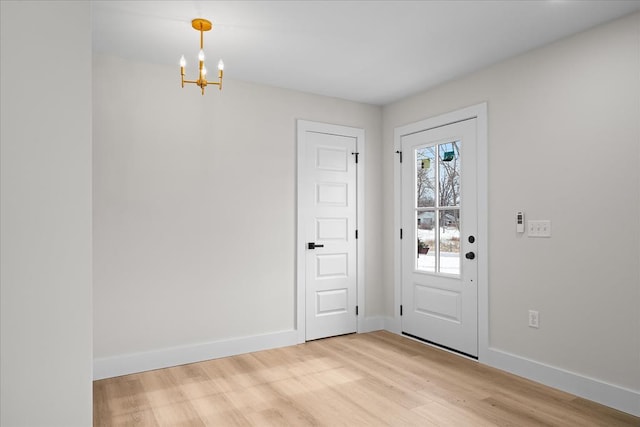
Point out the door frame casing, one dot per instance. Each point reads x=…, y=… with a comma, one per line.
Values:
x=479, y=112
x=357, y=133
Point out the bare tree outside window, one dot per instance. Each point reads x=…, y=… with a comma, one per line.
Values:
x=449, y=174
x=426, y=186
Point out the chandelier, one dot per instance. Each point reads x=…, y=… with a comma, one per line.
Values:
x=201, y=25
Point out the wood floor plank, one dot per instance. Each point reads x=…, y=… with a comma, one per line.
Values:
x=601, y=415
x=328, y=408
x=144, y=418
x=386, y=411
x=218, y=410
x=179, y=414
x=448, y=414
x=122, y=397
x=354, y=380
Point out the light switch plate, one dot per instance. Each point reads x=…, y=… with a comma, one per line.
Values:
x=539, y=228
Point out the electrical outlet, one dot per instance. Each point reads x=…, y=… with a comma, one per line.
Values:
x=539, y=228
x=534, y=319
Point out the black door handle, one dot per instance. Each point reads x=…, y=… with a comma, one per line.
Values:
x=312, y=245
x=469, y=255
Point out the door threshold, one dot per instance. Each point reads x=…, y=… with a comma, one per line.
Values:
x=332, y=336
x=441, y=347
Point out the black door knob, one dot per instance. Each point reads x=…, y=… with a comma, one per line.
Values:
x=470, y=255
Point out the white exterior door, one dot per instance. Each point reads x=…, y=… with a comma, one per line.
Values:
x=327, y=228
x=439, y=242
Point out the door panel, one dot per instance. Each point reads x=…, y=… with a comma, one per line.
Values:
x=332, y=302
x=329, y=206
x=439, y=213
x=331, y=194
x=331, y=228
x=331, y=158
x=332, y=266
x=437, y=302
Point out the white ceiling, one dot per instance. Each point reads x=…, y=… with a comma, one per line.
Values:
x=375, y=52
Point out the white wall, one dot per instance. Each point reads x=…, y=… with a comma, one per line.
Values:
x=194, y=207
x=564, y=143
x=45, y=262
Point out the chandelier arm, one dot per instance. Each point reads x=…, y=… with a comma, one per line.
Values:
x=219, y=82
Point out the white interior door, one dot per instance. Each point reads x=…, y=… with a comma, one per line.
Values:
x=439, y=245
x=327, y=229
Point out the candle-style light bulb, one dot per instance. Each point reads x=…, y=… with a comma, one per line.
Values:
x=220, y=65
x=183, y=62
x=201, y=55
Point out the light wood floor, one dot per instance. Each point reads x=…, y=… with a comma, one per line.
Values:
x=368, y=379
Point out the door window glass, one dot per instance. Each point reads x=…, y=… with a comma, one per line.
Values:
x=449, y=231
x=449, y=173
x=438, y=218
x=426, y=225
x=426, y=177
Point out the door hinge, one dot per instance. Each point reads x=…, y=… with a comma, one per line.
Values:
x=401, y=233
x=400, y=309
x=400, y=153
x=356, y=234
x=356, y=154
x=356, y=310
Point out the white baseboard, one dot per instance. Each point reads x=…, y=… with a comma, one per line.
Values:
x=392, y=324
x=115, y=366
x=620, y=398
x=370, y=324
